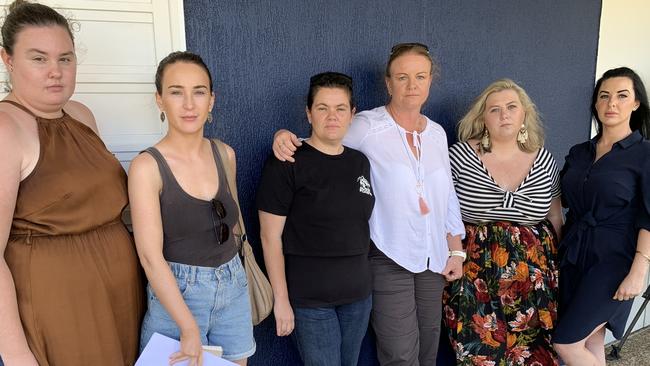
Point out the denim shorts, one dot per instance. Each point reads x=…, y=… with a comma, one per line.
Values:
x=218, y=299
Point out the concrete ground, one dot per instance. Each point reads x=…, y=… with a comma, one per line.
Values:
x=636, y=350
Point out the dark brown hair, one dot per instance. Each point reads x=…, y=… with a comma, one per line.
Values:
x=329, y=80
x=179, y=56
x=25, y=14
x=640, y=118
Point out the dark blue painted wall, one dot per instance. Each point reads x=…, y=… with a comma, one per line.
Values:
x=262, y=53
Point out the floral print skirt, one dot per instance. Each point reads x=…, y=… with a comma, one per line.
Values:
x=502, y=311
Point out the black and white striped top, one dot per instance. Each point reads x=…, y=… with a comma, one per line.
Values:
x=481, y=198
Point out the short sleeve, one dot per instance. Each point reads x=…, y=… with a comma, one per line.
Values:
x=643, y=217
x=454, y=162
x=554, y=174
x=276, y=189
x=454, y=223
x=358, y=131
x=565, y=169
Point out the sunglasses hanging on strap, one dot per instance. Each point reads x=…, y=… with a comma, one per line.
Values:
x=259, y=288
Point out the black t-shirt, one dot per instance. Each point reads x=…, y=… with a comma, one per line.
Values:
x=327, y=201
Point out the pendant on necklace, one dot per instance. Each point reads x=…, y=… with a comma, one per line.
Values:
x=424, y=209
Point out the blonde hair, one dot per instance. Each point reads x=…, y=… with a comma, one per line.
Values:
x=401, y=49
x=472, y=125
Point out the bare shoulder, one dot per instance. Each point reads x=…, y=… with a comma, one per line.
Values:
x=143, y=166
x=81, y=113
x=231, y=152
x=16, y=137
x=8, y=121
x=11, y=166
x=12, y=135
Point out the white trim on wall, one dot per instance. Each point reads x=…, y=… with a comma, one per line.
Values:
x=119, y=44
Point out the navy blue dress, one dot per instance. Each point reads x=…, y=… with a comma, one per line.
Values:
x=608, y=201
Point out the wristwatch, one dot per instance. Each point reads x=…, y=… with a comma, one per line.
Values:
x=458, y=253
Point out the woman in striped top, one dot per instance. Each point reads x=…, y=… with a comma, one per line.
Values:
x=504, y=307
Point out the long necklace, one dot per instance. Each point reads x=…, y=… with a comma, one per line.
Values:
x=417, y=169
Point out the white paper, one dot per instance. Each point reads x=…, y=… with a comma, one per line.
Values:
x=160, y=347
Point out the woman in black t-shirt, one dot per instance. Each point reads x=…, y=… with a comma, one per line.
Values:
x=315, y=235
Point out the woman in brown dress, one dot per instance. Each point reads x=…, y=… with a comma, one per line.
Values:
x=70, y=290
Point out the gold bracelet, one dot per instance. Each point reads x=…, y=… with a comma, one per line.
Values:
x=647, y=257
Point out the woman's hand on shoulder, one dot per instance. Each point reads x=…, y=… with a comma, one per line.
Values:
x=285, y=144
x=82, y=114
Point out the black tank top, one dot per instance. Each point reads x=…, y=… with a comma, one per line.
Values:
x=191, y=225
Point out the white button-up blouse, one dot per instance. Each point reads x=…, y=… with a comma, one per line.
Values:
x=415, y=241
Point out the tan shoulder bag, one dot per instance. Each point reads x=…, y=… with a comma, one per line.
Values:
x=259, y=288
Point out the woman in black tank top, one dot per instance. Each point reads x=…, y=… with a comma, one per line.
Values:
x=183, y=216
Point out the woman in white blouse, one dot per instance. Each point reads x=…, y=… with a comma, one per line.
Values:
x=416, y=225
x=503, y=309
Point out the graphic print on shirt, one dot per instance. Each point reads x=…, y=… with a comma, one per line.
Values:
x=364, y=185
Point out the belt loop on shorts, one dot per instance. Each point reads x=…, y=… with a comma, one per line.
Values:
x=231, y=268
x=193, y=273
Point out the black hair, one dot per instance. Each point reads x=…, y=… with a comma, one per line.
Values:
x=24, y=14
x=179, y=56
x=329, y=79
x=640, y=119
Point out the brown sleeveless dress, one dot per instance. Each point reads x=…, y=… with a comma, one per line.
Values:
x=78, y=284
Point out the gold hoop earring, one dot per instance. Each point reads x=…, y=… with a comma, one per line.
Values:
x=162, y=117
x=210, y=117
x=522, y=135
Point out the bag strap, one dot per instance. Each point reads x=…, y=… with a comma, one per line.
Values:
x=230, y=178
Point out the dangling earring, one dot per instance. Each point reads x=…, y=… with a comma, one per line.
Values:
x=210, y=117
x=522, y=136
x=485, y=140
x=162, y=117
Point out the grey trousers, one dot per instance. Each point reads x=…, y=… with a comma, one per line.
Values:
x=406, y=313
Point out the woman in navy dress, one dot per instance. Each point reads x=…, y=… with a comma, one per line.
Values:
x=605, y=251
